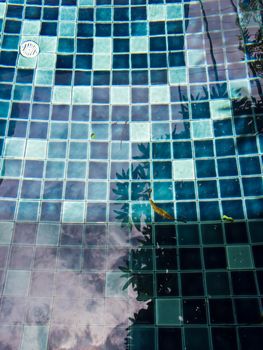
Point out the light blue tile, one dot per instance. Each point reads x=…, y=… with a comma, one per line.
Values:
x=35, y=338
x=6, y=231
x=17, y=283
x=97, y=191
x=48, y=234
x=28, y=211
x=114, y=284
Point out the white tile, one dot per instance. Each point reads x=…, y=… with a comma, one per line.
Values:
x=140, y=132
x=183, y=169
x=159, y=94
x=120, y=95
x=73, y=211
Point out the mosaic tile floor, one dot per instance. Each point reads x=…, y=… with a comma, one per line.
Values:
x=126, y=96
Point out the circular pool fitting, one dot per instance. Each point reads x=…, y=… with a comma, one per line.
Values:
x=29, y=49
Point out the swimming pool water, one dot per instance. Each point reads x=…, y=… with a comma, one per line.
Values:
x=126, y=96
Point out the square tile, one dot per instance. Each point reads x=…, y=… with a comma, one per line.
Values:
x=67, y=29
x=239, y=257
x=156, y=12
x=102, y=62
x=195, y=57
x=46, y=60
x=73, y=211
x=81, y=94
x=139, y=44
x=61, y=94
x=44, y=77
x=36, y=149
x=220, y=109
x=177, y=75
x=168, y=312
x=48, y=44
x=24, y=62
x=28, y=211
x=35, y=338
x=159, y=94
x=68, y=13
x=114, y=284
x=174, y=12
x=14, y=147
x=102, y=45
x=2, y=10
x=140, y=132
x=201, y=129
x=183, y=169
x=239, y=89
x=120, y=95
x=48, y=234
x=17, y=283
x=31, y=27
x=6, y=231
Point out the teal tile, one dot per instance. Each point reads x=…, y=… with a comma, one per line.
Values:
x=44, y=77
x=99, y=132
x=67, y=13
x=86, y=2
x=76, y=170
x=11, y=168
x=47, y=44
x=67, y=29
x=168, y=312
x=35, y=338
x=239, y=257
x=48, y=234
x=174, y=11
x=120, y=151
x=79, y=131
x=28, y=211
x=22, y=93
x=97, y=191
x=177, y=76
x=24, y=62
x=17, y=283
x=6, y=231
x=55, y=170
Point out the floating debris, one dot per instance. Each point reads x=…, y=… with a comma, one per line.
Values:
x=158, y=210
x=93, y=136
x=227, y=218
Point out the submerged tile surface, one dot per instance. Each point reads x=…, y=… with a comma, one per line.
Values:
x=126, y=96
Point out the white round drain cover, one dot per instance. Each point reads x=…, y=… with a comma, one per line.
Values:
x=29, y=49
